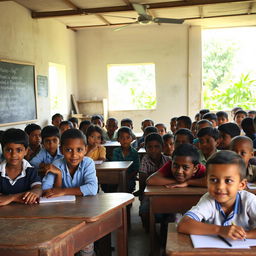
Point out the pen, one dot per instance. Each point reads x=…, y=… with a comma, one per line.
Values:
x=225, y=241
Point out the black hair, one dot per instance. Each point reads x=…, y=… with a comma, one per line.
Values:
x=145, y=120
x=236, y=109
x=210, y=116
x=73, y=120
x=69, y=123
x=197, y=115
x=213, y=132
x=49, y=131
x=228, y=157
x=247, y=125
x=187, y=150
x=222, y=114
x=94, y=128
x=16, y=136
x=238, y=139
x=168, y=136
x=126, y=120
x=203, y=111
x=97, y=117
x=32, y=127
x=149, y=129
x=240, y=112
x=252, y=112
x=230, y=128
x=204, y=121
x=125, y=129
x=85, y=122
x=186, y=120
x=161, y=124
x=153, y=137
x=72, y=134
x=57, y=115
x=187, y=132
x=113, y=119
x=173, y=119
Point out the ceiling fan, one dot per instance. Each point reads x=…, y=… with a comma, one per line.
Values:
x=145, y=18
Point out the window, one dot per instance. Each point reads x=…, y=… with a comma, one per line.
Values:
x=229, y=76
x=58, y=88
x=132, y=86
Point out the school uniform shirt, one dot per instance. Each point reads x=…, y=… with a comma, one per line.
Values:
x=45, y=157
x=25, y=181
x=210, y=211
x=132, y=156
x=202, y=158
x=148, y=166
x=97, y=153
x=84, y=177
x=251, y=173
x=166, y=170
x=107, y=138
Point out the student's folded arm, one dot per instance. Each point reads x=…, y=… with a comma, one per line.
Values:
x=48, y=181
x=188, y=225
x=158, y=178
x=32, y=196
x=200, y=182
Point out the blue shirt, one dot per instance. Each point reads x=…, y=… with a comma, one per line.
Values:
x=44, y=157
x=84, y=177
x=22, y=183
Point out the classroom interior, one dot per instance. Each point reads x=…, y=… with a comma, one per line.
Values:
x=86, y=52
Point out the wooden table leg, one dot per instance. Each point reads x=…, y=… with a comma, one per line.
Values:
x=152, y=229
x=122, y=241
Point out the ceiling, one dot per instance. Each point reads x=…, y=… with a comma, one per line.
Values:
x=81, y=14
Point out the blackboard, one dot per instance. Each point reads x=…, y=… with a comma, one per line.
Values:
x=17, y=93
x=42, y=86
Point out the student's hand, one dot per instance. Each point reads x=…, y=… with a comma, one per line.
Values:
x=234, y=232
x=4, y=200
x=51, y=168
x=53, y=192
x=177, y=185
x=30, y=197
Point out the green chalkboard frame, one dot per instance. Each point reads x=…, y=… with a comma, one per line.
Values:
x=32, y=89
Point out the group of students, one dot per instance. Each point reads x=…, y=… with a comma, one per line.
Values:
x=208, y=152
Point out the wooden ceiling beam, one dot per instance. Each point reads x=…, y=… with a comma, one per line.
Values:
x=201, y=11
x=103, y=19
x=127, y=2
x=174, y=4
x=70, y=4
x=250, y=8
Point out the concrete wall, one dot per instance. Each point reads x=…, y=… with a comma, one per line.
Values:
x=40, y=42
x=175, y=50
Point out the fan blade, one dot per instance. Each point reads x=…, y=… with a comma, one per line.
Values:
x=122, y=17
x=119, y=28
x=140, y=9
x=167, y=20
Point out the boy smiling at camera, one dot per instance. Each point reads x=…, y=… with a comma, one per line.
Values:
x=226, y=210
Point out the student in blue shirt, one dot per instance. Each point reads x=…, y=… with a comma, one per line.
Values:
x=19, y=181
x=50, y=139
x=73, y=174
x=127, y=153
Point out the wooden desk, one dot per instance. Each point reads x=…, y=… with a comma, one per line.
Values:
x=41, y=237
x=142, y=152
x=110, y=146
x=166, y=200
x=180, y=245
x=113, y=172
x=102, y=213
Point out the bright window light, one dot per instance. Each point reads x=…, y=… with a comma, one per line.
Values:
x=131, y=86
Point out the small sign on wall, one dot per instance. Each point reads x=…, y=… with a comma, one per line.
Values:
x=42, y=86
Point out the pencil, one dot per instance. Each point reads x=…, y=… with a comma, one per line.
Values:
x=225, y=241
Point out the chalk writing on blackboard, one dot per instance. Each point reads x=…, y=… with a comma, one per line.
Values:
x=42, y=86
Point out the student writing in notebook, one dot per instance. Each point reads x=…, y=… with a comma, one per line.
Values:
x=226, y=210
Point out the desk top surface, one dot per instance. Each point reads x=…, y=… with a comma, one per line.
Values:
x=111, y=144
x=162, y=190
x=181, y=245
x=114, y=165
x=89, y=209
x=20, y=232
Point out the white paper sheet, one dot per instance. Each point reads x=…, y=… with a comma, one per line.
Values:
x=98, y=161
x=251, y=185
x=200, y=241
x=70, y=198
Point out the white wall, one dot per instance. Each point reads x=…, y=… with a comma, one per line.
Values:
x=40, y=42
x=170, y=47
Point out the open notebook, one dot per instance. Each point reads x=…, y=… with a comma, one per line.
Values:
x=200, y=241
x=70, y=198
